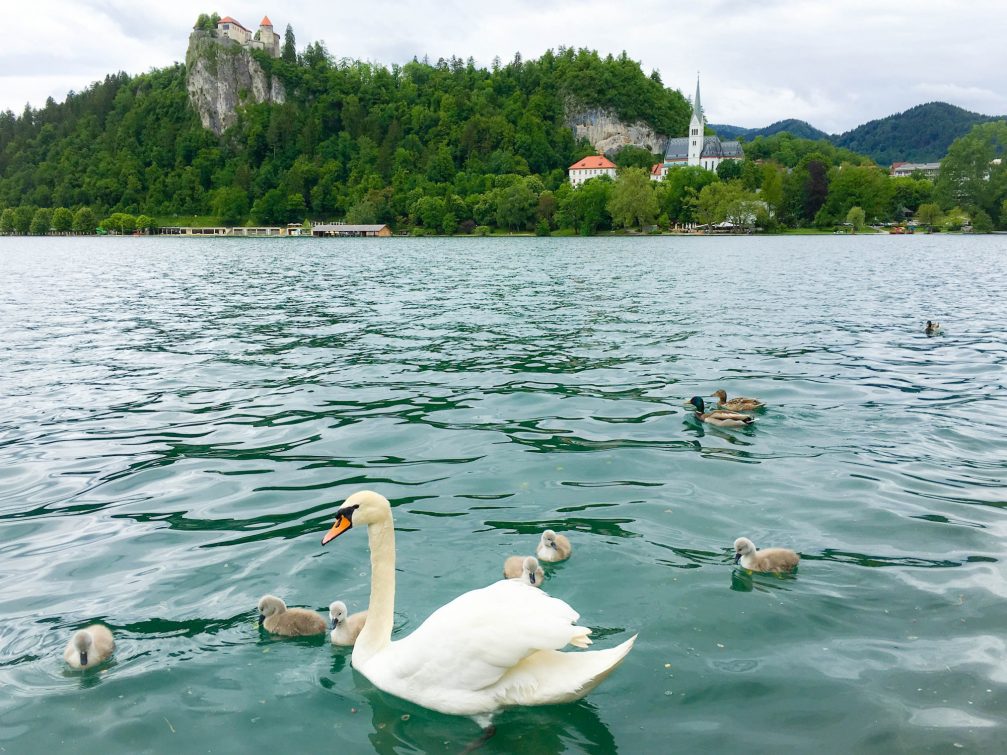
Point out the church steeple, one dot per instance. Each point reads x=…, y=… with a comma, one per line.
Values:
x=697, y=107
x=697, y=128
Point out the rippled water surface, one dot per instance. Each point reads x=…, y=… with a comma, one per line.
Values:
x=179, y=419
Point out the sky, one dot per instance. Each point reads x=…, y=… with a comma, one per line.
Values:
x=834, y=64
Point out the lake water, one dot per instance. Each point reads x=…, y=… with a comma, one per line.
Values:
x=180, y=418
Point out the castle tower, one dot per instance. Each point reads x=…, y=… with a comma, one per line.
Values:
x=270, y=39
x=697, y=127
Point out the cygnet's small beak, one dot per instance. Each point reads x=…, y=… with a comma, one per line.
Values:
x=342, y=524
x=737, y=557
x=333, y=623
x=83, y=657
x=532, y=577
x=262, y=619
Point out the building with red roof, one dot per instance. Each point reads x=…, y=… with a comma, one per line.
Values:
x=264, y=39
x=590, y=167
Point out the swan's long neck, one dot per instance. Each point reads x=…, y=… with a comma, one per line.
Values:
x=377, y=632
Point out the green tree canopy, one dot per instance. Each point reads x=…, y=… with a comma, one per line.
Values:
x=633, y=201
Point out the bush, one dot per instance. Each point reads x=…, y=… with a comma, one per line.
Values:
x=542, y=228
x=482, y=230
x=62, y=220
x=41, y=222
x=84, y=221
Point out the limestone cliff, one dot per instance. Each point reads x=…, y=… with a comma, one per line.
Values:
x=221, y=76
x=608, y=134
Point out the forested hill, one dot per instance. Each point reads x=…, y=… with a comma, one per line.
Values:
x=353, y=140
x=920, y=134
x=792, y=126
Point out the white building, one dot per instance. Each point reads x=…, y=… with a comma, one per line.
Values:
x=697, y=149
x=929, y=170
x=591, y=167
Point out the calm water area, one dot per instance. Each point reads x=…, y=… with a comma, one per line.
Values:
x=180, y=418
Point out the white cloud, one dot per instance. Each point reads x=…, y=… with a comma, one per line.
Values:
x=835, y=65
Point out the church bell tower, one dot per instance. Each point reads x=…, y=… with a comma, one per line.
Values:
x=697, y=127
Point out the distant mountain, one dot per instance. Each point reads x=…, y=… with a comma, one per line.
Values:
x=800, y=129
x=921, y=134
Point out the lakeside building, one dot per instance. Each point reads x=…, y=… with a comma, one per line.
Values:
x=696, y=149
x=929, y=170
x=264, y=39
x=347, y=229
x=591, y=167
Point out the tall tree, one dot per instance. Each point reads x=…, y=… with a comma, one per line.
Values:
x=289, y=51
x=633, y=201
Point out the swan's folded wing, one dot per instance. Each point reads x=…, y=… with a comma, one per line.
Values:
x=482, y=634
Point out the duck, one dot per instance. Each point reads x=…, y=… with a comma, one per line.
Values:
x=345, y=629
x=525, y=569
x=89, y=647
x=932, y=327
x=488, y=649
x=766, y=560
x=738, y=403
x=276, y=618
x=719, y=417
x=553, y=547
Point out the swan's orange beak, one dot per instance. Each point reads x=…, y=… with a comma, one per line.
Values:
x=342, y=524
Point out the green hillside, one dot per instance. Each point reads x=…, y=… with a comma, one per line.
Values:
x=354, y=140
x=920, y=134
x=800, y=129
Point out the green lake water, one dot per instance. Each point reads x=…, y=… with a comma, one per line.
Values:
x=180, y=418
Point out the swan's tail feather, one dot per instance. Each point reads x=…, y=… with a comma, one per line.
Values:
x=549, y=677
x=581, y=639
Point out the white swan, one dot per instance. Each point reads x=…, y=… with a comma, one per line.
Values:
x=89, y=647
x=485, y=650
x=345, y=629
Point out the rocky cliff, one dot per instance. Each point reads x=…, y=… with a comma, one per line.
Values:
x=608, y=134
x=221, y=76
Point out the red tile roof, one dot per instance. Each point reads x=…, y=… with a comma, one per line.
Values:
x=229, y=20
x=265, y=21
x=656, y=170
x=593, y=161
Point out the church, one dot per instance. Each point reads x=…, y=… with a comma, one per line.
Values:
x=696, y=149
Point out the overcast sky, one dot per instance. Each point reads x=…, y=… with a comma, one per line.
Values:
x=834, y=64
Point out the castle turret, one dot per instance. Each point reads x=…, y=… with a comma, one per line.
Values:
x=697, y=128
x=270, y=40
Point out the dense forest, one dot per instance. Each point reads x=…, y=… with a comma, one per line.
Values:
x=442, y=147
x=792, y=126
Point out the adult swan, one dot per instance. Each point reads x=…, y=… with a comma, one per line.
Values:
x=485, y=650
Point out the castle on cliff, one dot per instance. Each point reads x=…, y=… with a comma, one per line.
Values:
x=264, y=39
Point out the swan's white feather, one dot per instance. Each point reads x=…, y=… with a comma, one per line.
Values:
x=490, y=648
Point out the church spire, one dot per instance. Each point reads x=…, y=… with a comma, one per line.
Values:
x=697, y=107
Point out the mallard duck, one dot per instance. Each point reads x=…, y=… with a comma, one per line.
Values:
x=768, y=559
x=553, y=547
x=738, y=403
x=486, y=650
x=932, y=327
x=275, y=617
x=719, y=417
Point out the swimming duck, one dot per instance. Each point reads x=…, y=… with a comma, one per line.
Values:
x=768, y=559
x=932, y=327
x=553, y=547
x=89, y=647
x=345, y=629
x=719, y=417
x=275, y=617
x=738, y=403
x=486, y=650
x=525, y=569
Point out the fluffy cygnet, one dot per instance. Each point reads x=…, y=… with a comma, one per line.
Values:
x=345, y=628
x=525, y=569
x=768, y=559
x=89, y=647
x=290, y=622
x=553, y=547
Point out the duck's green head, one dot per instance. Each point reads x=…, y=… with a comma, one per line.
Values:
x=697, y=402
